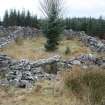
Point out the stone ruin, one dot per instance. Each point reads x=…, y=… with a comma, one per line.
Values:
x=11, y=33
x=24, y=73
x=95, y=44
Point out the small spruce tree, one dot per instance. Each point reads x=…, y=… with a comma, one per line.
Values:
x=53, y=26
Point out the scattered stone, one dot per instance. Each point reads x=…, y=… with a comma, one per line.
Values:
x=23, y=73
x=11, y=33
x=76, y=62
x=93, y=43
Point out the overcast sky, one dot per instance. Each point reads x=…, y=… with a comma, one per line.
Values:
x=78, y=8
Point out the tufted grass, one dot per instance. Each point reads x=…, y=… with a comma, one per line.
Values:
x=87, y=85
x=33, y=49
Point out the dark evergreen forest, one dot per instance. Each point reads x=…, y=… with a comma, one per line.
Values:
x=92, y=26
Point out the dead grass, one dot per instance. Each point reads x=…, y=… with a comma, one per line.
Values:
x=87, y=85
x=42, y=94
x=33, y=49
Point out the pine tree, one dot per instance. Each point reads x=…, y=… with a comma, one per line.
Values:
x=6, y=19
x=68, y=23
x=23, y=18
x=35, y=22
x=13, y=18
x=28, y=19
x=53, y=28
x=18, y=19
x=101, y=27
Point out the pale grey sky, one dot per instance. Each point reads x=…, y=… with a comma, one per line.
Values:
x=78, y=8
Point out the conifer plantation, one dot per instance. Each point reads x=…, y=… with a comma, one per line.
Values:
x=92, y=26
x=17, y=18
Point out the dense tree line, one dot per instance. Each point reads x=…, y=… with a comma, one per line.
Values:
x=92, y=26
x=17, y=18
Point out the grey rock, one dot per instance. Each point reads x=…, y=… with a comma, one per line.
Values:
x=27, y=76
x=4, y=82
x=93, y=43
x=11, y=33
x=24, y=73
x=24, y=84
x=76, y=62
x=46, y=61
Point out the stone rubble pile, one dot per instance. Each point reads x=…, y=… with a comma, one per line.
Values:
x=11, y=33
x=4, y=62
x=87, y=60
x=24, y=73
x=72, y=34
x=93, y=43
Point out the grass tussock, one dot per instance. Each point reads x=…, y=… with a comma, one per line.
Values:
x=19, y=41
x=67, y=50
x=87, y=85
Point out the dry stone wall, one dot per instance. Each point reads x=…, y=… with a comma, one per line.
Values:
x=25, y=73
x=93, y=43
x=11, y=33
